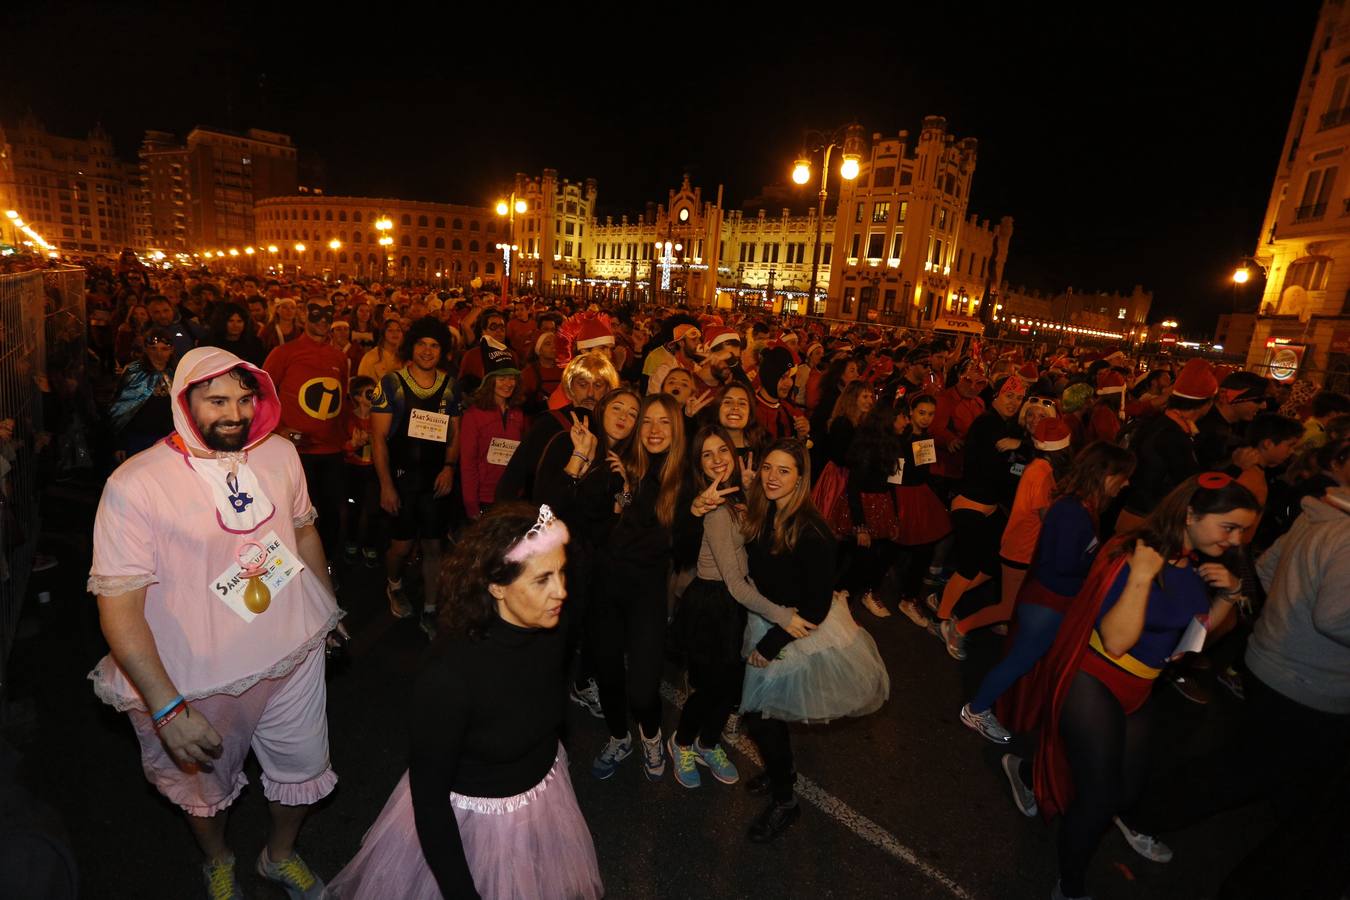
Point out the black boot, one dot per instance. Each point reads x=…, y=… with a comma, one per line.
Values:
x=774, y=820
x=758, y=786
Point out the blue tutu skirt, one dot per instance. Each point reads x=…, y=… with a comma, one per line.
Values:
x=834, y=672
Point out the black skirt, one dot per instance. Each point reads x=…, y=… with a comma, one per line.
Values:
x=709, y=625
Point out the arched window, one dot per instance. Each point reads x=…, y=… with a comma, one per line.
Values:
x=356, y=216
x=422, y=241
x=405, y=241
x=456, y=244
x=343, y=237
x=407, y=219
x=342, y=257
x=459, y=266
x=370, y=238
x=328, y=215
x=440, y=221
x=473, y=226
x=458, y=224
x=1309, y=273
x=421, y=221
x=440, y=243
x=342, y=215
x=405, y=263
x=473, y=246
x=370, y=258
x=304, y=214
x=492, y=227
x=490, y=268
x=422, y=263
x=473, y=267
x=440, y=265
x=356, y=237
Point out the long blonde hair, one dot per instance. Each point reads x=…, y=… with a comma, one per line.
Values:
x=637, y=461
x=848, y=404
x=796, y=512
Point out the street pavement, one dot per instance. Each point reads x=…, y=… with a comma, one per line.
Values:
x=905, y=803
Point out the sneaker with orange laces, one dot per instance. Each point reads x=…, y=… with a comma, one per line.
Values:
x=292, y=874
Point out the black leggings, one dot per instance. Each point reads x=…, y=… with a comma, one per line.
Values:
x=1107, y=753
x=914, y=563
x=629, y=619
x=775, y=745
x=716, y=688
x=870, y=565
x=977, y=539
x=326, y=480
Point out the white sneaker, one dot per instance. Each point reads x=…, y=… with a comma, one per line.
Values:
x=1023, y=796
x=986, y=724
x=1145, y=845
x=653, y=756
x=874, y=606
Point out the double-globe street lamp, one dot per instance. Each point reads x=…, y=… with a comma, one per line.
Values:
x=509, y=207
x=383, y=225
x=850, y=140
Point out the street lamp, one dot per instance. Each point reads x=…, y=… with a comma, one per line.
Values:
x=335, y=245
x=299, y=251
x=1242, y=275
x=850, y=141
x=509, y=207
x=384, y=225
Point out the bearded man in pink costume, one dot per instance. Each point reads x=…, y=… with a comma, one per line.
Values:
x=214, y=597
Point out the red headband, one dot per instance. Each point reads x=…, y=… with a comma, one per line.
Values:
x=1214, y=481
x=1013, y=384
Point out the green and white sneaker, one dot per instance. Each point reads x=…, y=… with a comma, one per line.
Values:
x=686, y=764
x=722, y=768
x=292, y=874
x=220, y=881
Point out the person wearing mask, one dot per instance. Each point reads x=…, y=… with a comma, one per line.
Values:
x=486, y=808
x=833, y=672
x=140, y=412
x=415, y=433
x=473, y=364
x=585, y=379
x=492, y=429
x=311, y=379
x=1143, y=595
x=995, y=456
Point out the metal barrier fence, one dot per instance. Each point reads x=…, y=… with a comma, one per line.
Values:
x=42, y=354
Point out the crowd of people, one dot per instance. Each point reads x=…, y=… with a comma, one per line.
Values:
x=566, y=493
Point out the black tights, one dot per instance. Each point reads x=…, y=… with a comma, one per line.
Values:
x=914, y=562
x=869, y=567
x=1107, y=753
x=717, y=687
x=775, y=745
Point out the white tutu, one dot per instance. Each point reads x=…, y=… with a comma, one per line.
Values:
x=834, y=672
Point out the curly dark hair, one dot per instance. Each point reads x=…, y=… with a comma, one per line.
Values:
x=478, y=560
x=427, y=327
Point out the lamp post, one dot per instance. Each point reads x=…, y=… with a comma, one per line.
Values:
x=509, y=207
x=1244, y=274
x=335, y=245
x=849, y=139
x=299, y=257
x=384, y=225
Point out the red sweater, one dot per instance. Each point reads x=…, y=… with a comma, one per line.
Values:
x=951, y=422
x=477, y=429
x=310, y=379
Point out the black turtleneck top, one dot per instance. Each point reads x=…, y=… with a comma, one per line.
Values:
x=488, y=715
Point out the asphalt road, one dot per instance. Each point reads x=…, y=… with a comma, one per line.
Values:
x=905, y=803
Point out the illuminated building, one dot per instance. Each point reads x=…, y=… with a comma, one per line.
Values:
x=458, y=242
x=552, y=232
x=1303, y=322
x=1073, y=317
x=72, y=191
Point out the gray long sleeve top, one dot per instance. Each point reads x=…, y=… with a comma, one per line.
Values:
x=722, y=558
x=1300, y=645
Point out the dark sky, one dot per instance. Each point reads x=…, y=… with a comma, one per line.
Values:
x=1137, y=147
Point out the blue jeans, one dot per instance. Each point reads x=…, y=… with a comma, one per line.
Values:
x=1036, y=630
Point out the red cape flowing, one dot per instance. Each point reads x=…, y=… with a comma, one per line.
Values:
x=1024, y=708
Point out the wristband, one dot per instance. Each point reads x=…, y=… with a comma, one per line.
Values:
x=168, y=708
x=448, y=465
x=581, y=456
x=177, y=710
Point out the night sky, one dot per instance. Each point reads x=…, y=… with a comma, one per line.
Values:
x=1132, y=148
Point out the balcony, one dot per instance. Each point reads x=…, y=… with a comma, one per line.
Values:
x=1335, y=117
x=1310, y=213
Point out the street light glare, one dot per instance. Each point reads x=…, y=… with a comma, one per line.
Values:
x=1241, y=276
x=849, y=170
x=502, y=208
x=801, y=172
x=521, y=206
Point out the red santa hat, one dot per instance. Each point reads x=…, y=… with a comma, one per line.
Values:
x=1052, y=433
x=1029, y=371
x=1196, y=381
x=1110, y=381
x=716, y=335
x=594, y=332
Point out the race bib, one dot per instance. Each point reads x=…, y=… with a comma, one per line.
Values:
x=898, y=477
x=925, y=453
x=281, y=566
x=1017, y=469
x=501, y=450
x=428, y=426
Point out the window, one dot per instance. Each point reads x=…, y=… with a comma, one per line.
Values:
x=1316, y=192
x=848, y=299
x=1309, y=273
x=456, y=244
x=888, y=300
x=567, y=248
x=853, y=251
x=440, y=243
x=407, y=220
x=473, y=246
x=600, y=251
x=884, y=176
x=1121, y=314
x=942, y=219
x=771, y=253
x=906, y=177
x=457, y=224
x=571, y=228
x=440, y=221
x=825, y=254
x=328, y=215
x=881, y=211
x=950, y=186
x=356, y=216
x=473, y=225
x=858, y=213
x=342, y=215
x=876, y=244
x=897, y=244
x=422, y=241
x=960, y=254
x=490, y=268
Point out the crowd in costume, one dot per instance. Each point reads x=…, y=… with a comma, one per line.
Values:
x=572, y=496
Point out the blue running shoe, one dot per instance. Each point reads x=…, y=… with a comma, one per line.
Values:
x=615, y=752
x=721, y=767
x=686, y=764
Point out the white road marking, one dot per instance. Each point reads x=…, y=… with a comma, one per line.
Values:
x=835, y=808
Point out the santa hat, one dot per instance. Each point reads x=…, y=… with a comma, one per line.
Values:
x=1196, y=381
x=813, y=347
x=594, y=333
x=1029, y=371
x=1051, y=434
x=717, y=335
x=1221, y=373
x=1110, y=381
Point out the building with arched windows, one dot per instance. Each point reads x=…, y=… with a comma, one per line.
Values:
x=443, y=243
x=1302, y=324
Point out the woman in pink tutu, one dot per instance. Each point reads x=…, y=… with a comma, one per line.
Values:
x=486, y=808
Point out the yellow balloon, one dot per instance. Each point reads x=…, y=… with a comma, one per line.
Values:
x=256, y=596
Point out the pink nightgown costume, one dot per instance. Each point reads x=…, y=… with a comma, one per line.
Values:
x=174, y=524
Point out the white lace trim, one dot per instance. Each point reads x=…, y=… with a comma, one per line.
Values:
x=496, y=806
x=283, y=667
x=117, y=585
x=306, y=519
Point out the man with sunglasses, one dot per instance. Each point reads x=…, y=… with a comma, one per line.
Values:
x=494, y=338
x=310, y=375
x=913, y=377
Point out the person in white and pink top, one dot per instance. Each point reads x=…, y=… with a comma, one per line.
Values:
x=214, y=598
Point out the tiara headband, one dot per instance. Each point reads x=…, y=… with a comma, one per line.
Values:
x=547, y=533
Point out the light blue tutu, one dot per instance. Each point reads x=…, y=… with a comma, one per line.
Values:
x=834, y=672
